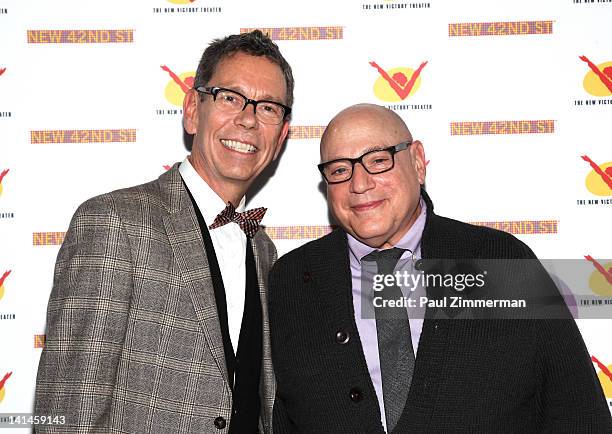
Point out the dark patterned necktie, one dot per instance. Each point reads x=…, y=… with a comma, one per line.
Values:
x=248, y=220
x=394, y=341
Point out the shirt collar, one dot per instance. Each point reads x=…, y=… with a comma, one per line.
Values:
x=209, y=203
x=410, y=241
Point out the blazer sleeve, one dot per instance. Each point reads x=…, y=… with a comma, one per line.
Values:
x=86, y=321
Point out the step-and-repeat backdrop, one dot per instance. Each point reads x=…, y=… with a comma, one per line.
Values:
x=512, y=100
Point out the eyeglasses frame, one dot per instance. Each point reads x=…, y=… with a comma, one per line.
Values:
x=392, y=149
x=214, y=91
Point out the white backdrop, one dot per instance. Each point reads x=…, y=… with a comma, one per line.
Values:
x=504, y=106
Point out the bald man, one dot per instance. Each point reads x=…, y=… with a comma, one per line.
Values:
x=349, y=360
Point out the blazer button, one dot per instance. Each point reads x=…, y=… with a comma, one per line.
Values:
x=419, y=265
x=356, y=394
x=306, y=277
x=342, y=337
x=220, y=422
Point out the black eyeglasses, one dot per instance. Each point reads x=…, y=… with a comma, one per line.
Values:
x=230, y=101
x=376, y=161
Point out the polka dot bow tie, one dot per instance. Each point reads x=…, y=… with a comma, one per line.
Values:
x=248, y=220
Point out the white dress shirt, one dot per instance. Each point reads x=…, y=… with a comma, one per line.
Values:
x=229, y=242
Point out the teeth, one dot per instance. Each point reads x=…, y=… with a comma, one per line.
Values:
x=239, y=146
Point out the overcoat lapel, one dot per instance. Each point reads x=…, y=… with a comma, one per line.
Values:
x=330, y=274
x=428, y=376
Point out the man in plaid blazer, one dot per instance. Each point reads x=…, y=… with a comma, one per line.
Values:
x=157, y=320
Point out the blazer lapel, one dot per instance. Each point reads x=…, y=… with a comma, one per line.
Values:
x=261, y=246
x=186, y=241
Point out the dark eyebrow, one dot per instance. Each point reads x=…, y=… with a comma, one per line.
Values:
x=266, y=97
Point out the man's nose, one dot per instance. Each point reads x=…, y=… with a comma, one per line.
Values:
x=247, y=117
x=361, y=181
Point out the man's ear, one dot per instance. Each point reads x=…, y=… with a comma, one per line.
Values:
x=190, y=111
x=281, y=139
x=418, y=158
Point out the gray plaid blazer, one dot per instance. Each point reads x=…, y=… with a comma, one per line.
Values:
x=133, y=337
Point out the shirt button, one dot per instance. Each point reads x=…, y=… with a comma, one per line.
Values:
x=342, y=337
x=356, y=394
x=220, y=422
x=306, y=277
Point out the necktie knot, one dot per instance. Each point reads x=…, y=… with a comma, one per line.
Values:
x=248, y=220
x=386, y=260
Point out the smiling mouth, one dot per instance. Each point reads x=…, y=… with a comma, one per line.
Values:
x=234, y=145
x=367, y=206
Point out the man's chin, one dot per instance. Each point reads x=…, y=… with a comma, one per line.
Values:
x=375, y=240
x=240, y=176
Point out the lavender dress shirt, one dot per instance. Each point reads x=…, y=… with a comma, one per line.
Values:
x=366, y=324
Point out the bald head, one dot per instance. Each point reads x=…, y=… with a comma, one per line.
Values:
x=359, y=118
x=376, y=208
